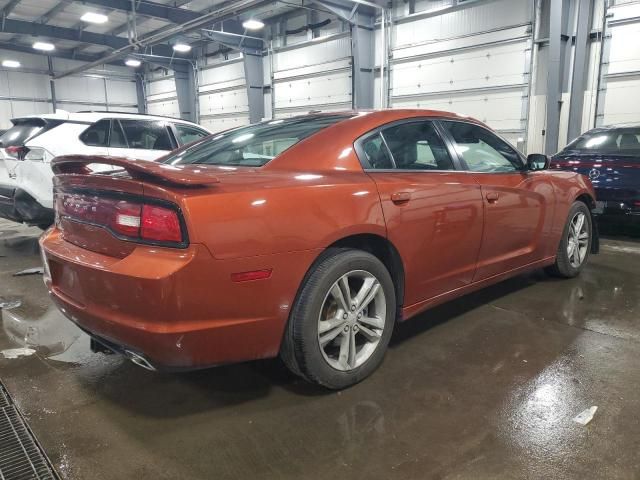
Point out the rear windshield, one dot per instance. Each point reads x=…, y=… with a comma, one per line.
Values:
x=621, y=141
x=255, y=145
x=23, y=130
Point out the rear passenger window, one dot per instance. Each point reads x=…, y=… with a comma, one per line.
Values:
x=116, y=139
x=96, y=135
x=187, y=134
x=147, y=135
x=376, y=153
x=417, y=146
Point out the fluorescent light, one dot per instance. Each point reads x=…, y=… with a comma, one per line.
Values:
x=132, y=62
x=252, y=24
x=47, y=47
x=93, y=17
x=10, y=63
x=182, y=47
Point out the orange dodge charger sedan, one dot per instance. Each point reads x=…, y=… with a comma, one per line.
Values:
x=306, y=237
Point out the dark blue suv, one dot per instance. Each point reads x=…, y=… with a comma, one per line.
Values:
x=610, y=158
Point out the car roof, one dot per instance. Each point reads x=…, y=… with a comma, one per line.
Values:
x=94, y=116
x=615, y=126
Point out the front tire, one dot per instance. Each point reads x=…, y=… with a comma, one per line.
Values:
x=342, y=320
x=575, y=244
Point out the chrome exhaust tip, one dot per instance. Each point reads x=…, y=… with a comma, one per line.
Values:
x=139, y=360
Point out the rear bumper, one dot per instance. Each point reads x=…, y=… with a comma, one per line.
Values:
x=176, y=308
x=7, y=203
x=618, y=202
x=30, y=211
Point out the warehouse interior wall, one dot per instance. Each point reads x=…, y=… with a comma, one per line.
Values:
x=28, y=89
x=488, y=59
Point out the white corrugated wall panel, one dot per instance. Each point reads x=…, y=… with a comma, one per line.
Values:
x=479, y=68
x=473, y=61
x=618, y=101
x=161, y=96
x=313, y=76
x=80, y=89
x=222, y=96
x=122, y=92
x=472, y=19
x=220, y=123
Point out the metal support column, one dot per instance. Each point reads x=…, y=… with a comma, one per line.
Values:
x=52, y=84
x=254, y=77
x=142, y=99
x=363, y=54
x=184, y=76
x=580, y=65
x=555, y=72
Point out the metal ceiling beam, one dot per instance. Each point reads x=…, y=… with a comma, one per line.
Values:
x=224, y=12
x=62, y=4
x=150, y=9
x=8, y=8
x=56, y=53
x=29, y=28
x=241, y=42
x=138, y=21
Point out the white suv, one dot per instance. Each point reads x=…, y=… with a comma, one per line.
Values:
x=26, y=150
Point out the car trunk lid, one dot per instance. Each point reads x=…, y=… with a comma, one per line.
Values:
x=114, y=212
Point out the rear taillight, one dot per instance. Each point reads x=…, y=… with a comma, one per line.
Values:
x=128, y=219
x=160, y=224
x=17, y=151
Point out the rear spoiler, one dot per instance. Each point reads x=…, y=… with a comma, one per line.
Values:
x=140, y=169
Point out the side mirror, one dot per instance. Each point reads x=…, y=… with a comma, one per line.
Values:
x=537, y=161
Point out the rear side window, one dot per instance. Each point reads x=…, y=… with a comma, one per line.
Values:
x=96, y=135
x=621, y=141
x=255, y=145
x=376, y=153
x=417, y=146
x=188, y=134
x=25, y=129
x=481, y=150
x=147, y=134
x=116, y=136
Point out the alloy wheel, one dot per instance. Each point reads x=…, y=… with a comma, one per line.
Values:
x=578, y=239
x=351, y=320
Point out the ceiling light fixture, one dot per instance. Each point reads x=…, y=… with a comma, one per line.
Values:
x=182, y=47
x=93, y=17
x=253, y=24
x=10, y=63
x=132, y=62
x=44, y=46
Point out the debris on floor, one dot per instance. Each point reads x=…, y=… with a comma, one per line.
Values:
x=584, y=417
x=9, y=303
x=29, y=271
x=12, y=353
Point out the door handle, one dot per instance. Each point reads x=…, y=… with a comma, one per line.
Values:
x=492, y=197
x=400, y=197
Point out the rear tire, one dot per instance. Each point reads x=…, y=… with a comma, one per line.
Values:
x=575, y=244
x=342, y=320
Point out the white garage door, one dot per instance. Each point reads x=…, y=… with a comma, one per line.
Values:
x=619, y=96
x=222, y=93
x=313, y=76
x=471, y=61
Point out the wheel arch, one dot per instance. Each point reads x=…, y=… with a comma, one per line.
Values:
x=378, y=246
x=385, y=251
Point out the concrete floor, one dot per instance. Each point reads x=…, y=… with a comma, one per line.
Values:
x=484, y=387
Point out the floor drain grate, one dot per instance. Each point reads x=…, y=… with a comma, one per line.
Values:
x=20, y=455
